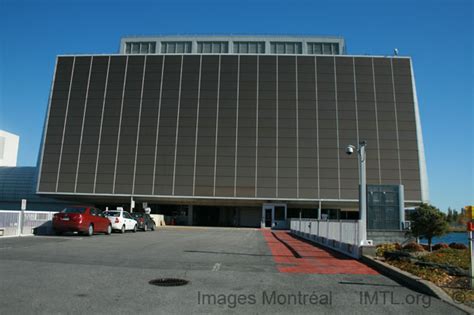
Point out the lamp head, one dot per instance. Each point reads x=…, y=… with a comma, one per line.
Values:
x=350, y=149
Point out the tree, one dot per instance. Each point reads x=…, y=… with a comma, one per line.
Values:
x=461, y=218
x=427, y=222
x=455, y=216
x=449, y=217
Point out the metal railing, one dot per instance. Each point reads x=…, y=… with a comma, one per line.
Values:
x=16, y=222
x=340, y=235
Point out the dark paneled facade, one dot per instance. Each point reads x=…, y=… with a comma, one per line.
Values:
x=248, y=126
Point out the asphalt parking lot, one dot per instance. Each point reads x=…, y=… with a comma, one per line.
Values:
x=230, y=271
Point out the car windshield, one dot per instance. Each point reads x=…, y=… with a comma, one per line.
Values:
x=112, y=213
x=73, y=210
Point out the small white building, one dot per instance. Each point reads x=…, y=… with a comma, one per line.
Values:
x=8, y=148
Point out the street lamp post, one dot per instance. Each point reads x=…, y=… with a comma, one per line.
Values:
x=362, y=190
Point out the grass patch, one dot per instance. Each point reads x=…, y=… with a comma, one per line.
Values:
x=449, y=256
x=454, y=286
x=437, y=276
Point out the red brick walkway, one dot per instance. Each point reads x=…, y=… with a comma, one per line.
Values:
x=314, y=260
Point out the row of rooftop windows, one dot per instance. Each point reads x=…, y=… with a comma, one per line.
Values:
x=216, y=47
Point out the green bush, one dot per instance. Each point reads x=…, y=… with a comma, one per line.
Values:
x=388, y=247
x=413, y=247
x=457, y=246
x=440, y=246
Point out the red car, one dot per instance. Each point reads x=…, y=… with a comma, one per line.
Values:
x=85, y=220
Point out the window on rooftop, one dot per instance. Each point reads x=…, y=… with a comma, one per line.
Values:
x=323, y=48
x=286, y=48
x=140, y=47
x=135, y=48
x=249, y=47
x=315, y=48
x=176, y=47
x=327, y=49
x=212, y=47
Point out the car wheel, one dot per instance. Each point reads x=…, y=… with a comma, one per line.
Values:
x=153, y=227
x=122, y=230
x=109, y=229
x=90, y=231
x=58, y=232
x=145, y=227
x=135, y=228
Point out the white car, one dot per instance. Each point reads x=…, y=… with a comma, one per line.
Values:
x=121, y=220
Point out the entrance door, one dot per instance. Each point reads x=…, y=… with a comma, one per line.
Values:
x=279, y=217
x=274, y=216
x=268, y=216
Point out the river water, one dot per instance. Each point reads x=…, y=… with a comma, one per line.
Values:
x=453, y=237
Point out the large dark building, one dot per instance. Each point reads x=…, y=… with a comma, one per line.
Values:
x=214, y=128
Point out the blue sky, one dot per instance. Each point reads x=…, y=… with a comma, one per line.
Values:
x=437, y=34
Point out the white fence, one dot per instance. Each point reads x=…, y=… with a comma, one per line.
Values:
x=16, y=223
x=342, y=236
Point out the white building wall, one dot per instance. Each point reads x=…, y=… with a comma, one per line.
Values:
x=8, y=148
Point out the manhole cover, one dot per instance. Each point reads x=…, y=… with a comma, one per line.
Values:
x=168, y=282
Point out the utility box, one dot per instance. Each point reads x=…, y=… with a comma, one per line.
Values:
x=385, y=207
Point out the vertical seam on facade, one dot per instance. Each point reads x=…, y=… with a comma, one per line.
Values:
x=158, y=123
x=396, y=123
x=256, y=127
x=82, y=124
x=237, y=126
x=356, y=100
x=217, y=124
x=101, y=123
x=139, y=124
x=177, y=125
x=197, y=124
x=337, y=132
x=65, y=123
x=120, y=125
x=376, y=122
x=45, y=126
x=277, y=140
x=317, y=125
x=297, y=132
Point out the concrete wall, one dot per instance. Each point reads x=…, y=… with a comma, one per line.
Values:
x=380, y=237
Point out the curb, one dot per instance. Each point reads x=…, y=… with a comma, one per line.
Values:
x=413, y=282
x=210, y=228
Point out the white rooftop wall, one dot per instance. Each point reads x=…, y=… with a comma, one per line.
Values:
x=8, y=148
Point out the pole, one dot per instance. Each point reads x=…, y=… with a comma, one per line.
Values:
x=362, y=194
x=470, y=234
x=319, y=210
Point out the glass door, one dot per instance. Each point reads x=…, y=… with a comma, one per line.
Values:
x=274, y=216
x=279, y=217
x=268, y=213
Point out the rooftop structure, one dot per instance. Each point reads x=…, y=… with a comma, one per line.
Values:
x=233, y=44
